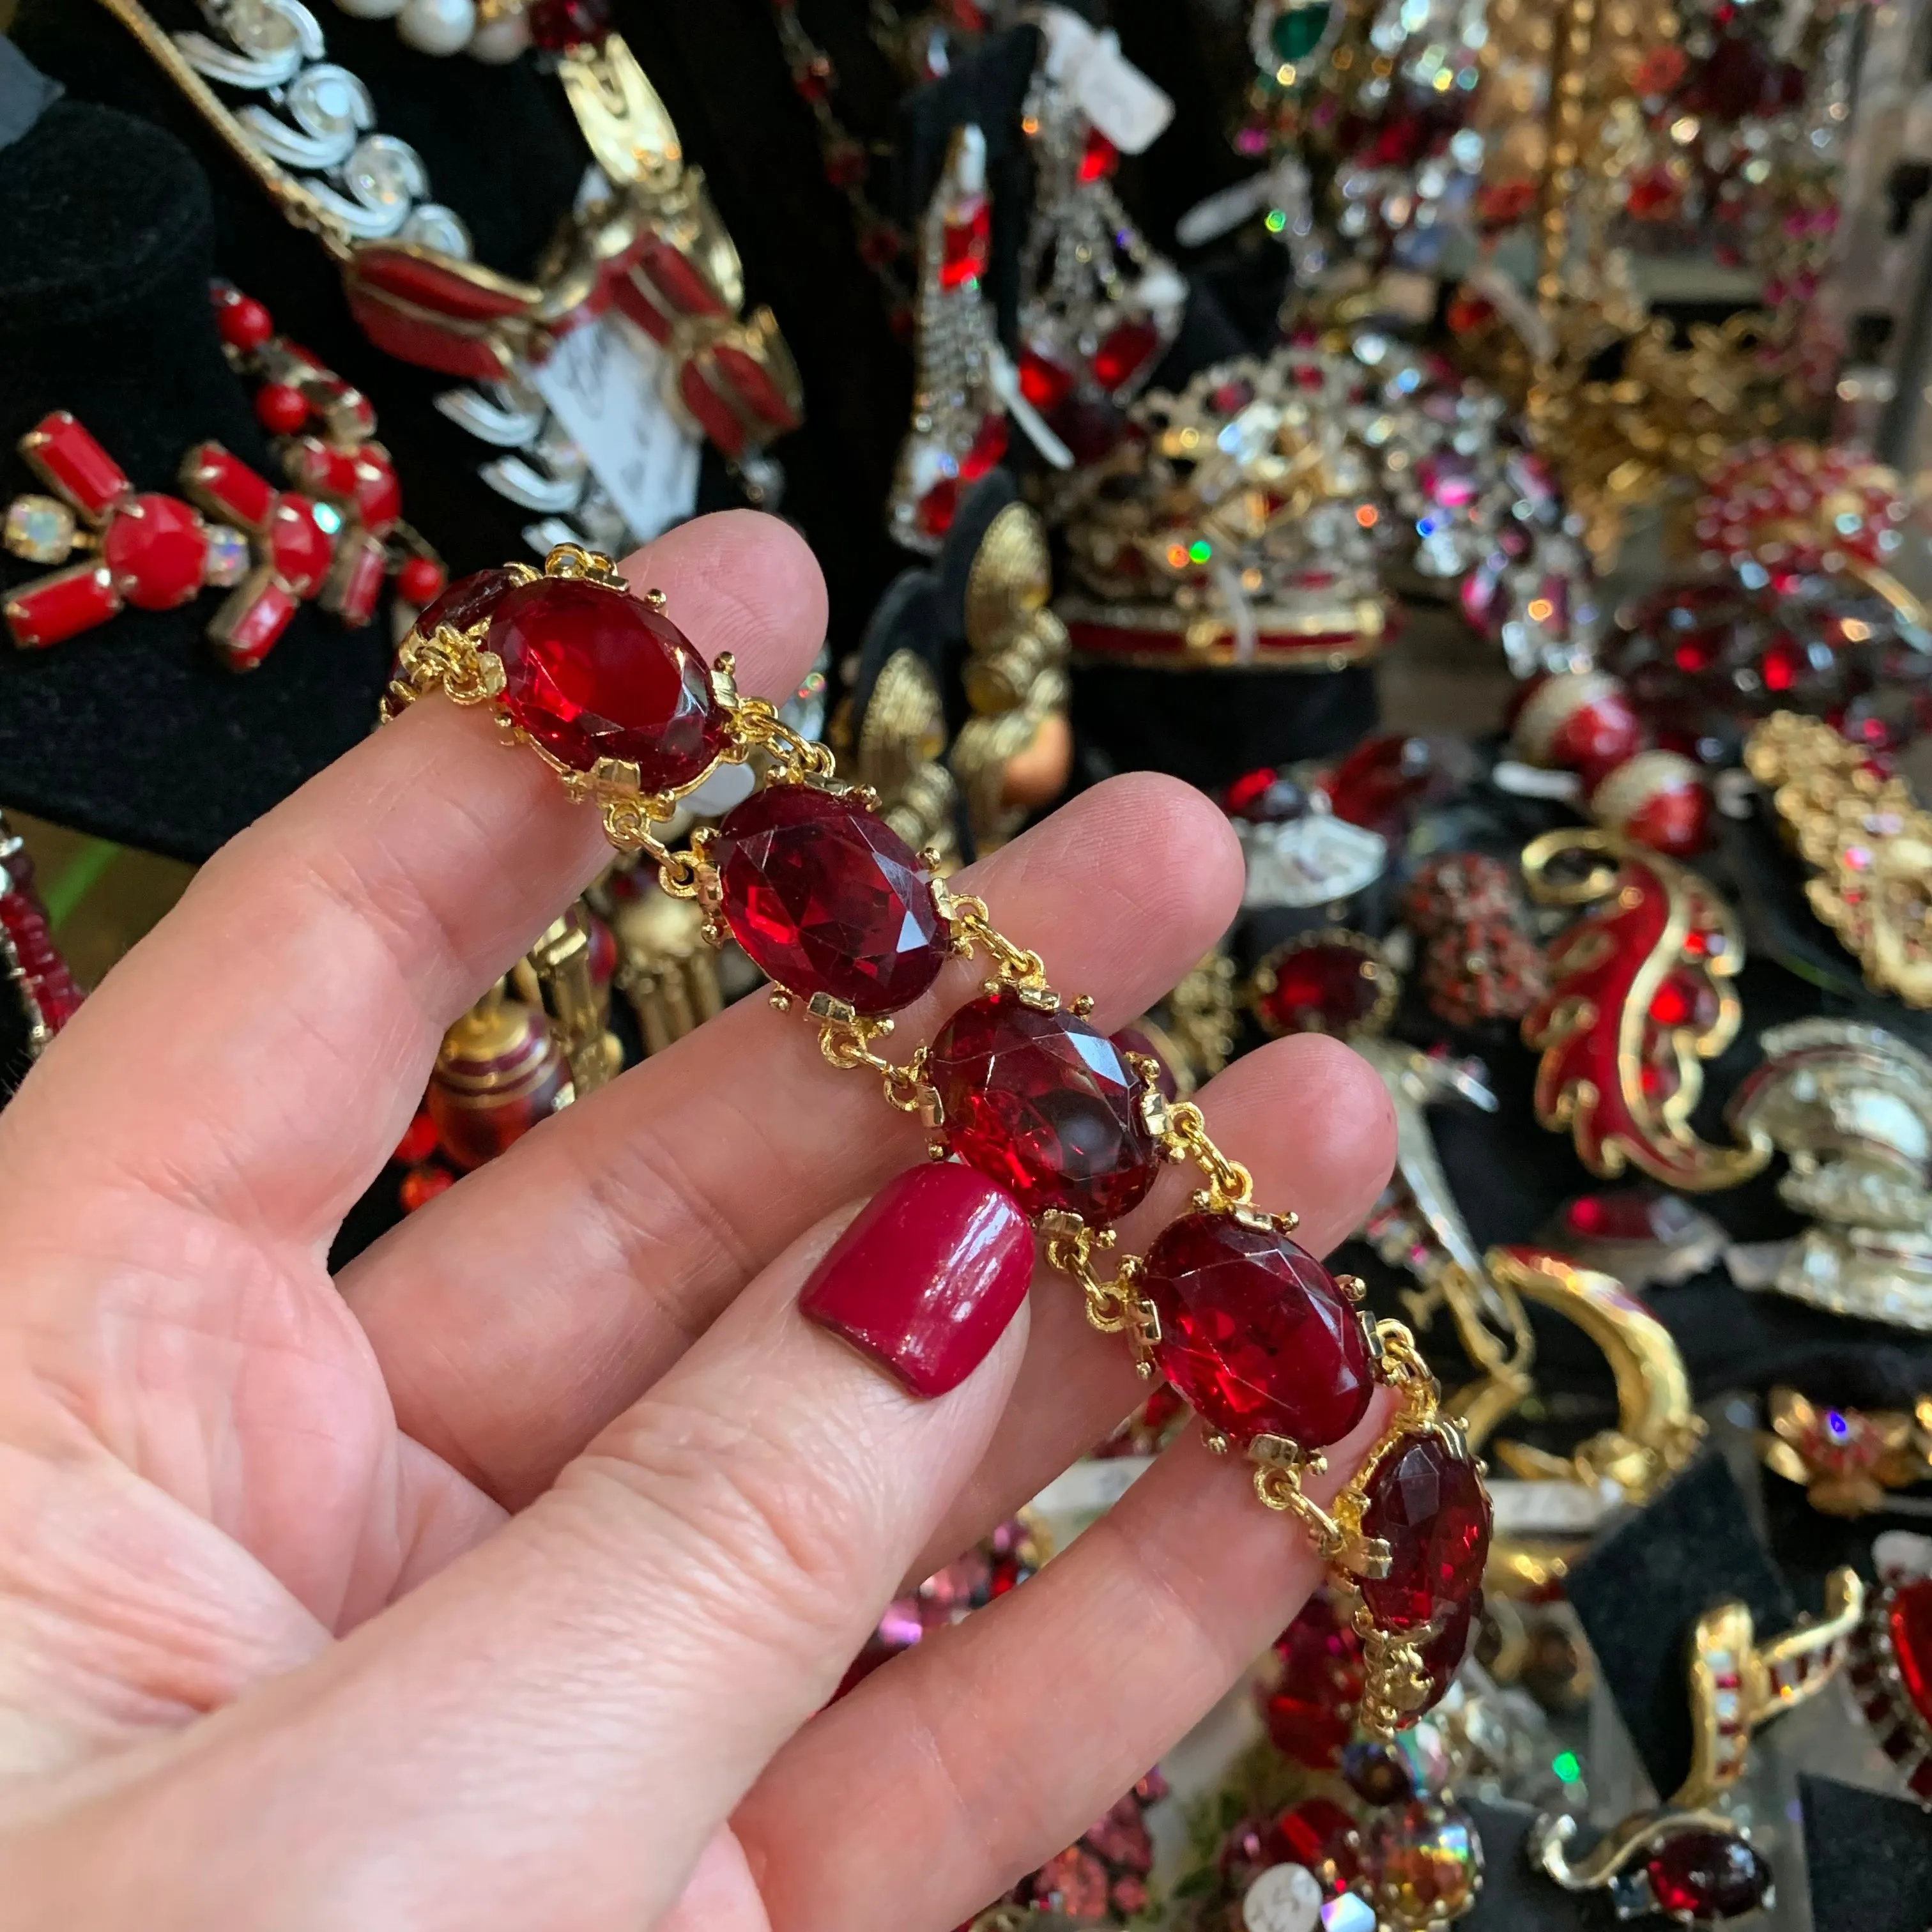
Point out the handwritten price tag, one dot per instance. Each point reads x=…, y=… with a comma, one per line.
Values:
x=604, y=383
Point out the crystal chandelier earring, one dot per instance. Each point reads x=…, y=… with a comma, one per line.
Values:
x=1099, y=308
x=959, y=427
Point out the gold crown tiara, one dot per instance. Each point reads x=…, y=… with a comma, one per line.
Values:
x=1234, y=522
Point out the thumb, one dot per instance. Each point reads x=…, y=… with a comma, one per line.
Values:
x=548, y=1732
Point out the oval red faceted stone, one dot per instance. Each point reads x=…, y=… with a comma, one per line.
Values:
x=158, y=549
x=590, y=674
x=826, y=897
x=1043, y=1104
x=1255, y=1334
x=1706, y=1875
x=1428, y=1505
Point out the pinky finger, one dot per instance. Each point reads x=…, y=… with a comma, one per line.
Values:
x=966, y=1763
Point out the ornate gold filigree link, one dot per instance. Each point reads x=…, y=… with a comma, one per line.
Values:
x=1394, y=1683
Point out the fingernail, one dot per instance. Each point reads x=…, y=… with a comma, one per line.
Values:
x=925, y=1280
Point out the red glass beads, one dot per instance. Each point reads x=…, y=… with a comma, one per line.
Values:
x=827, y=898
x=1427, y=1504
x=1044, y=1104
x=590, y=672
x=1255, y=1334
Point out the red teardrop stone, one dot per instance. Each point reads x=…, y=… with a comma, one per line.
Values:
x=1706, y=1875
x=591, y=673
x=1429, y=1506
x=1043, y=1104
x=1909, y=1621
x=826, y=897
x=158, y=549
x=1255, y=1334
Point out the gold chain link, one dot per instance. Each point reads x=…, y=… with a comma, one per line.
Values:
x=1115, y=1306
x=759, y=727
x=1229, y=1183
x=1017, y=965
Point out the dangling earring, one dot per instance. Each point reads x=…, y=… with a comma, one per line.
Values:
x=1099, y=308
x=959, y=427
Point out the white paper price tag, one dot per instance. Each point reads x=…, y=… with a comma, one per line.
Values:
x=1113, y=93
x=1119, y=99
x=603, y=383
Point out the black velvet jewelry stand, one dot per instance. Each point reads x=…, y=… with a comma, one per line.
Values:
x=134, y=731
x=1514, y=1898
x=1869, y=1857
x=1644, y=1584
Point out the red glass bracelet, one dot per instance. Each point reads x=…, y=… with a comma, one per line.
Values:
x=852, y=926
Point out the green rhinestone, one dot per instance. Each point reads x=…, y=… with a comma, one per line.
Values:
x=1297, y=30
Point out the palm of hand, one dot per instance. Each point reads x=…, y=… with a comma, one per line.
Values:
x=231, y=1485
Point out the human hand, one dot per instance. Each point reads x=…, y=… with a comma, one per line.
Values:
x=493, y=1585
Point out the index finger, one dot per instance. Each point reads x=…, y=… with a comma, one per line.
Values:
x=258, y=1055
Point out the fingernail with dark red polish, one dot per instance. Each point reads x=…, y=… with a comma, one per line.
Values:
x=925, y=1280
